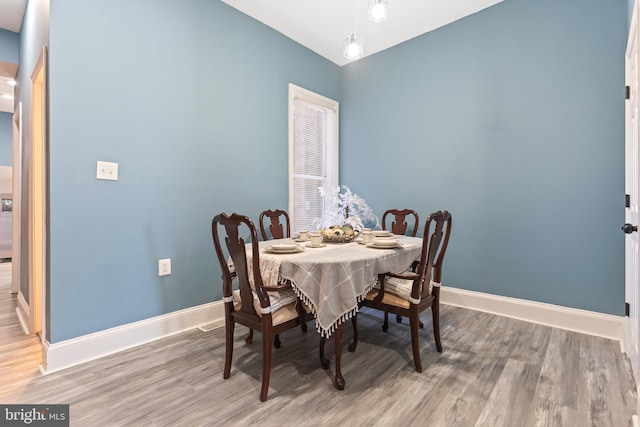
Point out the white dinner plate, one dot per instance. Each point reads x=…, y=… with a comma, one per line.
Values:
x=385, y=245
x=381, y=241
x=381, y=233
x=284, y=248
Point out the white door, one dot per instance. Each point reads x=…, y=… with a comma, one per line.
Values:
x=632, y=174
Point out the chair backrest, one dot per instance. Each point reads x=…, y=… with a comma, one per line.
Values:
x=399, y=223
x=275, y=227
x=437, y=263
x=432, y=239
x=237, y=250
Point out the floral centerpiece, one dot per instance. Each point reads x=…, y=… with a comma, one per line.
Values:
x=347, y=215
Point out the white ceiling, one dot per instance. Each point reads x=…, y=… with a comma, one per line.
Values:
x=322, y=25
x=11, y=13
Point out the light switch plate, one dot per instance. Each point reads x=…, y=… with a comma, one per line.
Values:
x=107, y=170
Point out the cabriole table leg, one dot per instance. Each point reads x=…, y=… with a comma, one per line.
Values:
x=338, y=381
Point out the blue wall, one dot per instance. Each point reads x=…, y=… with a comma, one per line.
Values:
x=9, y=52
x=512, y=119
x=9, y=46
x=5, y=139
x=190, y=98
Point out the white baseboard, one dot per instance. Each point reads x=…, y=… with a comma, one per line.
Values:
x=65, y=354
x=23, y=322
x=572, y=319
x=22, y=310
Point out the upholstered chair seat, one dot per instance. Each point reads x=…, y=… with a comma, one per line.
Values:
x=283, y=305
x=397, y=290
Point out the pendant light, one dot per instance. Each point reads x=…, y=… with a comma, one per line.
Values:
x=377, y=10
x=353, y=45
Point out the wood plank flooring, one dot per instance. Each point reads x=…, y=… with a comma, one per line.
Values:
x=494, y=371
x=5, y=275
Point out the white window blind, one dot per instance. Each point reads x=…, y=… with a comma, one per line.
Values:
x=313, y=155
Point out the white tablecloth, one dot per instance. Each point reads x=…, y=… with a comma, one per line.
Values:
x=333, y=279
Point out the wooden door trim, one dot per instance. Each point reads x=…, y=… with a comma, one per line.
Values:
x=38, y=168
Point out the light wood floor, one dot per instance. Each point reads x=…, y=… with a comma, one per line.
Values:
x=5, y=275
x=494, y=371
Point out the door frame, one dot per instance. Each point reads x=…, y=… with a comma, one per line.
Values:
x=16, y=205
x=38, y=199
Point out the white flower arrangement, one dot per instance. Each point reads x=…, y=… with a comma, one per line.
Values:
x=346, y=207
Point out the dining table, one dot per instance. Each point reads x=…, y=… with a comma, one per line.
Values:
x=332, y=278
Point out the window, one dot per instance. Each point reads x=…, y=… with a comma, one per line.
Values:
x=313, y=155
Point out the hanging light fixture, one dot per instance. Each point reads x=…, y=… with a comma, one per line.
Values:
x=377, y=10
x=353, y=48
x=353, y=45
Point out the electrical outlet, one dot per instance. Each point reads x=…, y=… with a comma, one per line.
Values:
x=107, y=170
x=164, y=267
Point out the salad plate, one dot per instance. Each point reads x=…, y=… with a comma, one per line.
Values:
x=321, y=245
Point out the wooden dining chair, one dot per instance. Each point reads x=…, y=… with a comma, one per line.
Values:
x=271, y=225
x=270, y=220
x=399, y=224
x=267, y=309
x=411, y=292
